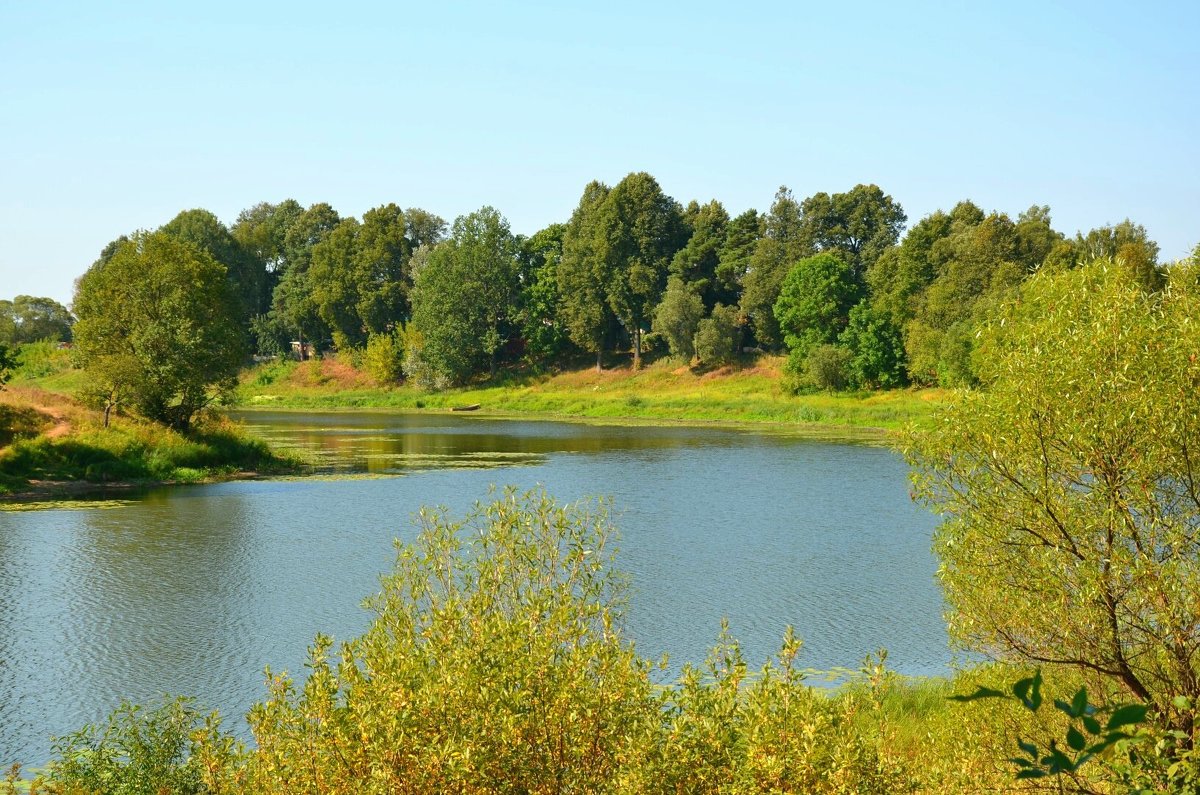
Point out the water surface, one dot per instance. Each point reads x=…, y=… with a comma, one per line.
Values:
x=195, y=589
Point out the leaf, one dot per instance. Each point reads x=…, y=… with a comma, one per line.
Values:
x=1080, y=703
x=1031, y=772
x=1028, y=748
x=1091, y=724
x=1126, y=715
x=1075, y=739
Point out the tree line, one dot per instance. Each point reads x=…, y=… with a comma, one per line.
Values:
x=831, y=280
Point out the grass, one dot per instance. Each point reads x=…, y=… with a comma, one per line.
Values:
x=748, y=394
x=73, y=446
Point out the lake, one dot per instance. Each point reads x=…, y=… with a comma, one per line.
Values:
x=194, y=589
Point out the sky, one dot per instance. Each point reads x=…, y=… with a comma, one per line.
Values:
x=115, y=117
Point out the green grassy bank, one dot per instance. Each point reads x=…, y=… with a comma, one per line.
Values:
x=57, y=447
x=750, y=394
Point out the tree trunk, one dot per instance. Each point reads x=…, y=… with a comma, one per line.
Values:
x=600, y=360
x=637, y=348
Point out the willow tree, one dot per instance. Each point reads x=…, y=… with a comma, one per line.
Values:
x=1070, y=484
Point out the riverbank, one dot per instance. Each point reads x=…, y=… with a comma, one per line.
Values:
x=662, y=392
x=59, y=448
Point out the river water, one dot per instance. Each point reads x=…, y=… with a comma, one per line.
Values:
x=193, y=590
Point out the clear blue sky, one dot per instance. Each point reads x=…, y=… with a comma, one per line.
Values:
x=114, y=119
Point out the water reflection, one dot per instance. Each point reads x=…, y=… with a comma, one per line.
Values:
x=195, y=589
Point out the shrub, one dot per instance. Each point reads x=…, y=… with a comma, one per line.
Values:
x=716, y=336
x=384, y=357
x=828, y=366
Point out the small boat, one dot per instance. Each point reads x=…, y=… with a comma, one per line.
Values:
x=472, y=407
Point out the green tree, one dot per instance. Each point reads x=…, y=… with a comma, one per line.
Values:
x=334, y=287
x=583, y=275
x=495, y=663
x=877, y=348
x=8, y=363
x=246, y=273
x=31, y=319
x=697, y=262
x=678, y=317
x=814, y=302
x=159, y=321
x=858, y=226
x=465, y=295
x=641, y=228
x=1128, y=245
x=292, y=300
x=541, y=314
x=261, y=230
x=717, y=336
x=733, y=260
x=1069, y=489
x=381, y=268
x=781, y=246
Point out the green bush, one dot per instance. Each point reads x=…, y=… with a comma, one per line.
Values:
x=384, y=357
x=716, y=336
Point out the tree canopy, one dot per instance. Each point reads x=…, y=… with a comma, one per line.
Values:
x=158, y=328
x=1069, y=483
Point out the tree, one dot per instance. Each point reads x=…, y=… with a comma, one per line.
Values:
x=641, y=228
x=781, y=246
x=261, y=230
x=159, y=322
x=697, y=262
x=858, y=226
x=464, y=296
x=678, y=317
x=1069, y=485
x=247, y=274
x=8, y=363
x=733, y=260
x=877, y=348
x=814, y=302
x=334, y=287
x=31, y=319
x=292, y=300
x=541, y=315
x=717, y=336
x=583, y=275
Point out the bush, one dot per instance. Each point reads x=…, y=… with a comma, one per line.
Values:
x=384, y=357
x=495, y=663
x=828, y=367
x=716, y=336
x=170, y=750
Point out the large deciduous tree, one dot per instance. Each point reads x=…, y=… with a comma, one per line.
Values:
x=815, y=301
x=246, y=273
x=29, y=318
x=464, y=296
x=641, y=228
x=583, y=275
x=858, y=225
x=1069, y=485
x=158, y=325
x=781, y=246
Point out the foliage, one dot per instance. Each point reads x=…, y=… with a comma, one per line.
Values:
x=877, y=348
x=1067, y=483
x=169, y=750
x=678, y=317
x=247, y=275
x=541, y=314
x=495, y=663
x=464, y=298
x=583, y=275
x=697, y=262
x=640, y=229
x=782, y=245
x=27, y=319
x=384, y=357
x=8, y=363
x=158, y=325
x=857, y=226
x=814, y=302
x=823, y=366
x=717, y=336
